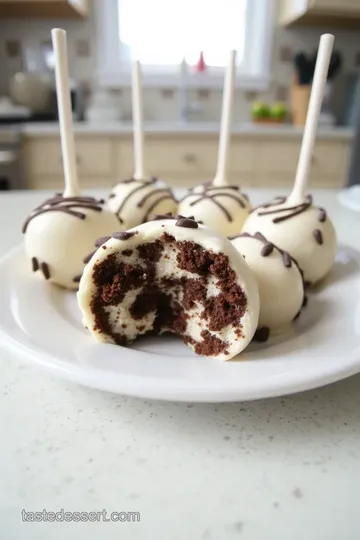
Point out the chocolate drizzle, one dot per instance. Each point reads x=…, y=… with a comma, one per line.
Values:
x=268, y=248
x=290, y=211
x=69, y=205
x=100, y=241
x=160, y=193
x=322, y=215
x=87, y=258
x=317, y=234
x=77, y=279
x=213, y=193
x=45, y=270
x=35, y=264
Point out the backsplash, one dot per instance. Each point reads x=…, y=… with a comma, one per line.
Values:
x=161, y=104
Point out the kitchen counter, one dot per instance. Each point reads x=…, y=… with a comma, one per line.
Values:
x=285, y=468
x=187, y=128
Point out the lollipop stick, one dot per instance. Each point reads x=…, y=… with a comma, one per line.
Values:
x=317, y=93
x=138, y=121
x=65, y=116
x=228, y=98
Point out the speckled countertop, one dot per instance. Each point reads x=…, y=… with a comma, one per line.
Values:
x=284, y=469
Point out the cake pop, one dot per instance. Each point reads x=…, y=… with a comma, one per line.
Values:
x=62, y=230
x=217, y=204
x=294, y=223
x=280, y=282
x=170, y=275
x=134, y=200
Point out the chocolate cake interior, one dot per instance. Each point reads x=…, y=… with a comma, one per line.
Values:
x=169, y=286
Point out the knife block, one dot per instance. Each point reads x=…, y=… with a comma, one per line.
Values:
x=300, y=97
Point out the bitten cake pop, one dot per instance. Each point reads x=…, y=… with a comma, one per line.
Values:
x=279, y=279
x=136, y=199
x=61, y=231
x=294, y=223
x=219, y=205
x=170, y=275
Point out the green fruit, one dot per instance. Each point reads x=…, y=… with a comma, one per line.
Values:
x=278, y=111
x=260, y=110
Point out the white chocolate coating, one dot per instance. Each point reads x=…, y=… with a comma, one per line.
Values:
x=224, y=209
x=167, y=267
x=60, y=241
x=297, y=235
x=135, y=201
x=281, y=287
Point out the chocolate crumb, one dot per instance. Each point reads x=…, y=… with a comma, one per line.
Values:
x=124, y=235
x=45, y=270
x=127, y=252
x=262, y=334
x=35, y=264
x=317, y=234
x=267, y=249
x=187, y=223
x=211, y=345
x=100, y=241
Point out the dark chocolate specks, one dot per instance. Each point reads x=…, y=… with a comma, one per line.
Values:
x=317, y=234
x=124, y=235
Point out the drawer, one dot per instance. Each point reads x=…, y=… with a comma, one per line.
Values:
x=94, y=157
x=277, y=156
x=282, y=156
x=56, y=182
x=186, y=157
x=328, y=159
x=285, y=181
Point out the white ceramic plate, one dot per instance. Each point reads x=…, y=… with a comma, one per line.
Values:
x=42, y=325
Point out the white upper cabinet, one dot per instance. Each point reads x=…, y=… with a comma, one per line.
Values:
x=338, y=13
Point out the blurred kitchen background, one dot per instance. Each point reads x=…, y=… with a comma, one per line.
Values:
x=183, y=47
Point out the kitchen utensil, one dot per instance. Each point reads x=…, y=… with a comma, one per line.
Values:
x=304, y=68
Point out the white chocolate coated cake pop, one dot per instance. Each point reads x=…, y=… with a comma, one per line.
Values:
x=218, y=204
x=295, y=224
x=281, y=287
x=135, y=200
x=171, y=275
x=303, y=230
x=224, y=208
x=60, y=232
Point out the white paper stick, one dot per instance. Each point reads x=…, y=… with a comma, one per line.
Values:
x=72, y=188
x=226, y=118
x=317, y=94
x=138, y=121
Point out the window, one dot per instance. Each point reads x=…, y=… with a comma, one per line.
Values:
x=163, y=32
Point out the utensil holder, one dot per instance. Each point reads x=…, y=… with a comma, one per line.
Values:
x=300, y=97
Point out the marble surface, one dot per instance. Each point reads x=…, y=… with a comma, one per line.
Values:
x=188, y=128
x=285, y=468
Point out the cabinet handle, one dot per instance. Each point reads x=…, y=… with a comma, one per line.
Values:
x=190, y=158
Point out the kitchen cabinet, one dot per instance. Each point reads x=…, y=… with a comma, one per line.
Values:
x=44, y=8
x=337, y=13
x=185, y=160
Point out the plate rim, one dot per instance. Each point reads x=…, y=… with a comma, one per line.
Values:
x=129, y=384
